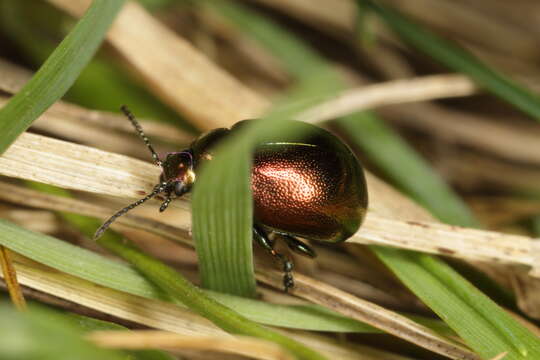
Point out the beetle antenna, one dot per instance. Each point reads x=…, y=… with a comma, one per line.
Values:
x=159, y=188
x=140, y=131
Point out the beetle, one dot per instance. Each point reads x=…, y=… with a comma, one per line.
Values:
x=308, y=186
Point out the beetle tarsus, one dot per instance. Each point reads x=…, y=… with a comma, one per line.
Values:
x=288, y=282
x=288, y=266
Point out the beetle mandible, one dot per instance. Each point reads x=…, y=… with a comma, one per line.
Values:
x=310, y=186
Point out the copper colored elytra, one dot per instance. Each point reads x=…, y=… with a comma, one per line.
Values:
x=309, y=186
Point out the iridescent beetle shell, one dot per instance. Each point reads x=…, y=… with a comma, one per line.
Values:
x=310, y=186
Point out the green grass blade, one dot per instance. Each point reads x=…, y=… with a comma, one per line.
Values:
x=456, y=58
x=84, y=324
x=100, y=270
x=156, y=5
x=41, y=334
x=59, y=72
x=222, y=223
x=485, y=327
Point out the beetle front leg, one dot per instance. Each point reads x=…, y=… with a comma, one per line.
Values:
x=165, y=203
x=287, y=266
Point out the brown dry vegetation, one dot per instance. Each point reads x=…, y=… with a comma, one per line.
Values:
x=203, y=68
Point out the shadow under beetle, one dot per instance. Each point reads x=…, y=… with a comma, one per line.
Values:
x=309, y=186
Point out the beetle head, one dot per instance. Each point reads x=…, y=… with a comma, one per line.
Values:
x=176, y=178
x=177, y=175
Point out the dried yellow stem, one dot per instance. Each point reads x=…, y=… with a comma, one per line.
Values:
x=392, y=92
x=152, y=339
x=10, y=277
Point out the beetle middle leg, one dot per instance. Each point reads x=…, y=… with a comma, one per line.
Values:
x=298, y=246
x=287, y=266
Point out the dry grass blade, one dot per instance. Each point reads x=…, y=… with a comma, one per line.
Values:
x=152, y=313
x=388, y=93
x=19, y=194
x=449, y=240
x=111, y=121
x=527, y=291
x=351, y=306
x=488, y=209
x=151, y=339
x=472, y=130
x=82, y=168
x=257, y=56
x=475, y=25
x=161, y=315
x=500, y=357
x=387, y=297
x=336, y=14
x=10, y=276
x=13, y=78
x=77, y=167
x=473, y=169
x=175, y=71
x=339, y=350
x=79, y=130
x=34, y=220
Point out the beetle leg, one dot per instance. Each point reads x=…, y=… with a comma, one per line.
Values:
x=287, y=266
x=262, y=238
x=165, y=203
x=298, y=246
